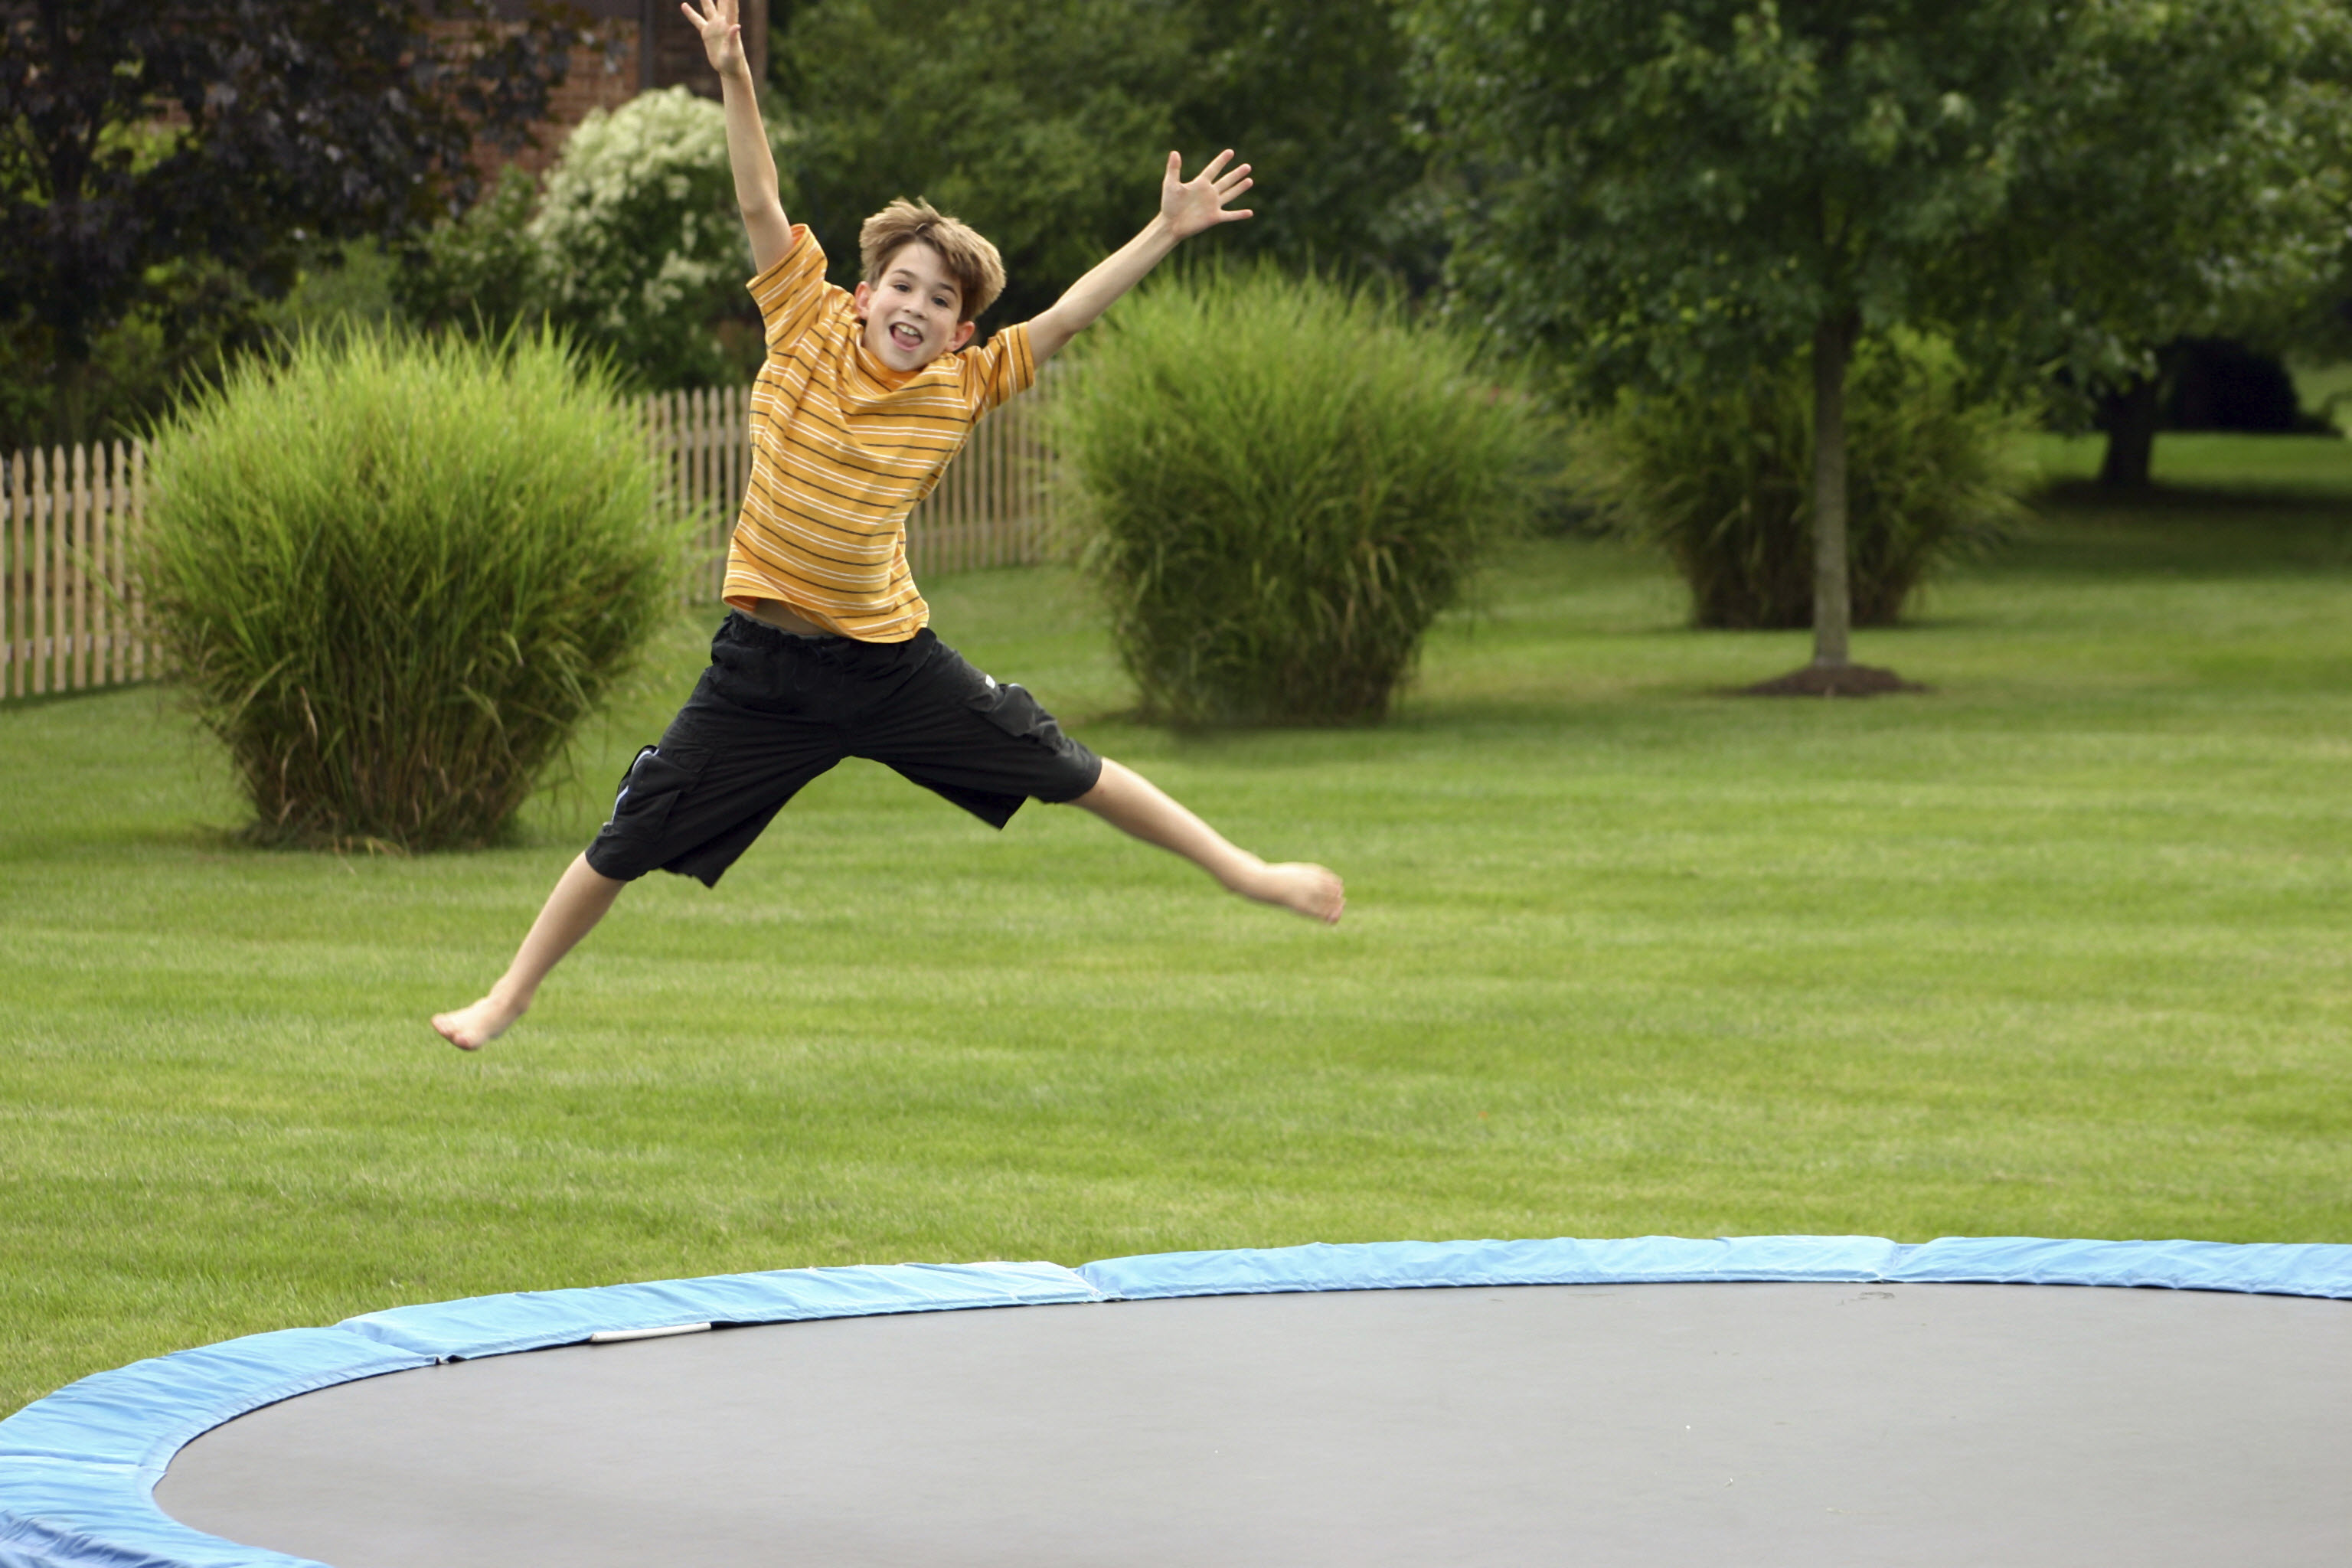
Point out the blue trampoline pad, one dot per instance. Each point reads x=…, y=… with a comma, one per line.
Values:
x=1748, y=1424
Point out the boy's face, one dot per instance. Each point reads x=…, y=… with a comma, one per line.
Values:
x=913, y=314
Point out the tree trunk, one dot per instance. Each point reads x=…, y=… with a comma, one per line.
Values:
x=1832, y=604
x=1832, y=672
x=2128, y=416
x=70, y=384
x=70, y=376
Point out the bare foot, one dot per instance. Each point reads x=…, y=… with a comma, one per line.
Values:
x=1295, y=885
x=471, y=1028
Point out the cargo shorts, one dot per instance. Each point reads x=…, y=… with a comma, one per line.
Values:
x=774, y=710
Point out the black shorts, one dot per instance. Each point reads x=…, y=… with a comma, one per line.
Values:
x=774, y=710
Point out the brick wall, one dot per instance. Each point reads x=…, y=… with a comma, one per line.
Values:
x=603, y=75
x=627, y=59
x=676, y=55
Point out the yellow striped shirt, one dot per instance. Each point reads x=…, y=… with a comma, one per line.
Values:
x=842, y=449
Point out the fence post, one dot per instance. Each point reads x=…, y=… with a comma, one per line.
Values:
x=689, y=408
x=706, y=461
x=681, y=422
x=20, y=647
x=137, y=586
x=73, y=534
x=39, y=625
x=78, y=564
x=117, y=577
x=649, y=427
x=110, y=616
x=99, y=570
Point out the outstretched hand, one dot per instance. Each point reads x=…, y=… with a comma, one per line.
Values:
x=1186, y=207
x=719, y=21
x=1191, y=205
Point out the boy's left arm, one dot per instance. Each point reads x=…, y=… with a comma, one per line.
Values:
x=1186, y=207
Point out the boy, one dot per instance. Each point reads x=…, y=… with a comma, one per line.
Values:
x=826, y=652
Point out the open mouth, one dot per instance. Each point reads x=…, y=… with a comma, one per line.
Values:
x=905, y=337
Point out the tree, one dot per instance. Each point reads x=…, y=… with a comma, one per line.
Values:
x=2187, y=180
x=1042, y=122
x=1657, y=191
x=137, y=135
x=1315, y=94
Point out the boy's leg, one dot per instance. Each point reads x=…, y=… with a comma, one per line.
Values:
x=1134, y=804
x=581, y=898
x=760, y=724
x=987, y=747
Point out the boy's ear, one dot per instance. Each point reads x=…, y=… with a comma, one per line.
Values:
x=862, y=294
x=963, y=335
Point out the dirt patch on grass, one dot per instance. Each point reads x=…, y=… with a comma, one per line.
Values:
x=1831, y=681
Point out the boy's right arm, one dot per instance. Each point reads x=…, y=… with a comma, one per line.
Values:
x=747, y=139
x=1186, y=207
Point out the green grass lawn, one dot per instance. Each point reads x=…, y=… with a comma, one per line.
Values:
x=2062, y=948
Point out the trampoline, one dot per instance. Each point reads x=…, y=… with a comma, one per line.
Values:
x=1659, y=1401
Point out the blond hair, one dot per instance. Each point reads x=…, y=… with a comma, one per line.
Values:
x=971, y=261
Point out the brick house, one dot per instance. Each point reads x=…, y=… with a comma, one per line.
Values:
x=640, y=45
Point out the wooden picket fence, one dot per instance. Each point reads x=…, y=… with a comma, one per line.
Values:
x=994, y=506
x=71, y=616
x=70, y=612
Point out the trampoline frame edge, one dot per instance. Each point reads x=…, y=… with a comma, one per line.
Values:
x=79, y=1468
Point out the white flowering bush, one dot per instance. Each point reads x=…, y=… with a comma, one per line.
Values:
x=639, y=238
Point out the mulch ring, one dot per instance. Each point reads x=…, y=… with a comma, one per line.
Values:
x=1831, y=680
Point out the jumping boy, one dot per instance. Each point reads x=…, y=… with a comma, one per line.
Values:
x=826, y=652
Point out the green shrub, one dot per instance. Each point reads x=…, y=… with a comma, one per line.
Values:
x=1279, y=485
x=1722, y=479
x=395, y=574
x=640, y=246
x=480, y=272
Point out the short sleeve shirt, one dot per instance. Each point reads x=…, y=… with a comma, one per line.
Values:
x=843, y=446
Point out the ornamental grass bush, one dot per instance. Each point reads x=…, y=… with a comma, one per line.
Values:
x=1279, y=483
x=395, y=574
x=1721, y=478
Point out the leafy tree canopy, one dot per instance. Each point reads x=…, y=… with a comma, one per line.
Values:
x=1021, y=117
x=1315, y=94
x=1661, y=192
x=2188, y=180
x=2189, y=174
x=144, y=134
x=1655, y=192
x=1043, y=124
x=1646, y=188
